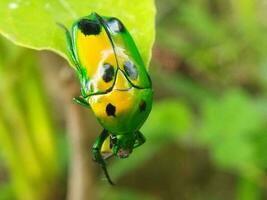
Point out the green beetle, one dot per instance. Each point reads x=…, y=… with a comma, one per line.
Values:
x=114, y=83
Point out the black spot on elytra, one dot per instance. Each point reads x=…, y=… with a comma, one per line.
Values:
x=108, y=72
x=115, y=25
x=110, y=110
x=89, y=27
x=130, y=69
x=142, y=106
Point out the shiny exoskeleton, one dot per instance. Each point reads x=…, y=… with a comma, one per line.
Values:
x=114, y=83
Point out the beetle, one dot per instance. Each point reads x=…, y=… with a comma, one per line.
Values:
x=115, y=83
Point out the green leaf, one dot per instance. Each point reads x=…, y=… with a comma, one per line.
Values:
x=33, y=23
x=228, y=127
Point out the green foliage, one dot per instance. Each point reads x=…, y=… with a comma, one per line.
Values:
x=27, y=137
x=220, y=47
x=218, y=39
x=6, y=192
x=33, y=23
x=228, y=127
x=248, y=190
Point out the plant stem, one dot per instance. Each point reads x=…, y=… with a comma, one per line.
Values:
x=78, y=124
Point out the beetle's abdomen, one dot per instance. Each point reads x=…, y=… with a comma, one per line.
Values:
x=122, y=111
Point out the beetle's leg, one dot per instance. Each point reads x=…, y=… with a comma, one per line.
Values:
x=81, y=101
x=110, y=155
x=97, y=146
x=140, y=139
x=69, y=43
x=97, y=157
x=107, y=150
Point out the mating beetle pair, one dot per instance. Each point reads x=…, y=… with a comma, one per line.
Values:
x=114, y=83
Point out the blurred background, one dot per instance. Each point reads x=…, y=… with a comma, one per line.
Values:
x=206, y=135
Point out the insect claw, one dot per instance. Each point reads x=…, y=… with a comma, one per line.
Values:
x=107, y=175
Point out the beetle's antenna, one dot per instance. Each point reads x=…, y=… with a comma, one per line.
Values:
x=106, y=174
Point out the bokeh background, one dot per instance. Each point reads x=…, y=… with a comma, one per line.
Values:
x=206, y=135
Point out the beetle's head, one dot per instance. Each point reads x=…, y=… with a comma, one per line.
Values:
x=122, y=145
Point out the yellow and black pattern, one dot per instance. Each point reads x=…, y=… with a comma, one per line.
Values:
x=95, y=53
x=102, y=46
